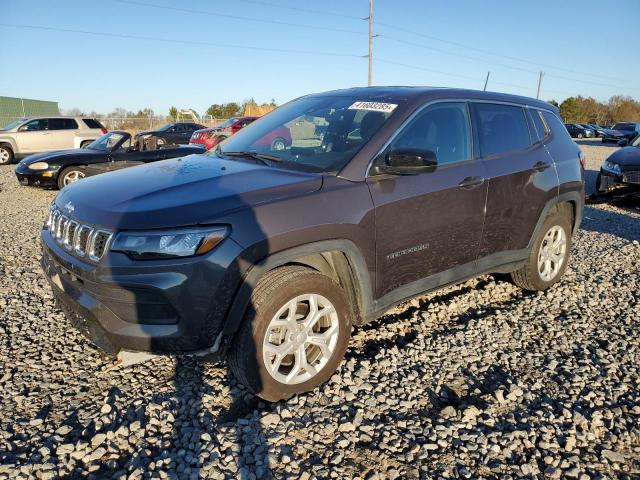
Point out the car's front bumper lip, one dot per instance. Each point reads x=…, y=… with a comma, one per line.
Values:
x=610, y=179
x=99, y=300
x=36, y=178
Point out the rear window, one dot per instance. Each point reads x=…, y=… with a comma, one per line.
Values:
x=62, y=124
x=92, y=123
x=501, y=128
x=554, y=124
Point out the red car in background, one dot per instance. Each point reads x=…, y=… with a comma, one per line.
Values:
x=209, y=137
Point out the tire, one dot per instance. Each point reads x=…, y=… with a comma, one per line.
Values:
x=269, y=302
x=70, y=175
x=278, y=144
x=6, y=155
x=529, y=277
x=580, y=135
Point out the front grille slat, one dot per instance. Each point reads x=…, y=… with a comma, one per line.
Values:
x=81, y=240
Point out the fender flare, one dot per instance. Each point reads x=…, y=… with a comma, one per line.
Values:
x=357, y=266
x=12, y=144
x=575, y=197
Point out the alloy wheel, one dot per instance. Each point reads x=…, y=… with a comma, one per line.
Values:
x=5, y=157
x=72, y=176
x=300, y=339
x=553, y=251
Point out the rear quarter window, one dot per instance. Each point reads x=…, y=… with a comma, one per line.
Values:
x=540, y=129
x=92, y=123
x=501, y=128
x=555, y=125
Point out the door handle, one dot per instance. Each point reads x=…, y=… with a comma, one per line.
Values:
x=471, y=182
x=541, y=166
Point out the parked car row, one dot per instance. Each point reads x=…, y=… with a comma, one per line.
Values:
x=619, y=131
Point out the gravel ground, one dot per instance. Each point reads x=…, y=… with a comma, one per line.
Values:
x=476, y=381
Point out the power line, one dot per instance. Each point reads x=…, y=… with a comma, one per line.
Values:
x=179, y=41
x=238, y=17
x=487, y=52
x=300, y=9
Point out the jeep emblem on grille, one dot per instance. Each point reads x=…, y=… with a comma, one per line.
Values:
x=69, y=206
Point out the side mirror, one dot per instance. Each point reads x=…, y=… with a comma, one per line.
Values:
x=407, y=162
x=623, y=143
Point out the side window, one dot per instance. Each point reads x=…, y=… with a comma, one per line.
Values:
x=442, y=128
x=179, y=127
x=501, y=128
x=554, y=124
x=540, y=129
x=35, y=125
x=62, y=124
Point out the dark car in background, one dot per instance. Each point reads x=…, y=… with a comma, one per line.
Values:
x=578, y=131
x=271, y=256
x=599, y=130
x=620, y=131
x=62, y=167
x=210, y=137
x=177, y=133
x=591, y=132
x=621, y=168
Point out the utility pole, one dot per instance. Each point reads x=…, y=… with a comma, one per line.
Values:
x=486, y=81
x=370, y=41
x=539, y=84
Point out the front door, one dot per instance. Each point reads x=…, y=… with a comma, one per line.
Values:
x=34, y=136
x=430, y=223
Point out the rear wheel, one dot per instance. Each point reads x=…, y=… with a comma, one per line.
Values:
x=70, y=175
x=6, y=155
x=294, y=335
x=278, y=144
x=550, y=253
x=580, y=135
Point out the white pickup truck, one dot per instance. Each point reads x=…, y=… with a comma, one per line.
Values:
x=25, y=136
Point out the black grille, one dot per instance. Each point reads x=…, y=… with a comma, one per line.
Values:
x=81, y=240
x=632, y=176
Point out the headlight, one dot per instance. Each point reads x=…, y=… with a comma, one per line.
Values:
x=168, y=244
x=38, y=166
x=611, y=167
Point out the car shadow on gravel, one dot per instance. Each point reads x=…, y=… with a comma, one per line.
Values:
x=619, y=224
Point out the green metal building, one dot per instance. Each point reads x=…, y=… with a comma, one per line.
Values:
x=12, y=108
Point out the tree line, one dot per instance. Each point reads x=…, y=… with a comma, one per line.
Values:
x=581, y=109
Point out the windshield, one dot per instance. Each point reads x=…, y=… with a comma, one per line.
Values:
x=228, y=123
x=12, y=125
x=624, y=126
x=636, y=142
x=317, y=134
x=106, y=142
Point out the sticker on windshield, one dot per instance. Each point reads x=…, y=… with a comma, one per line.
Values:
x=374, y=106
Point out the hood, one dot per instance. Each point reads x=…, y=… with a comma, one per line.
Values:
x=626, y=156
x=608, y=131
x=43, y=157
x=185, y=191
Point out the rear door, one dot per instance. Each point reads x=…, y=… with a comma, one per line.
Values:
x=34, y=136
x=63, y=132
x=432, y=222
x=521, y=175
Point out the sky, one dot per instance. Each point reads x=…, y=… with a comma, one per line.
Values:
x=193, y=53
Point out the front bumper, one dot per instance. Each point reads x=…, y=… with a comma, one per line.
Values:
x=158, y=306
x=609, y=179
x=37, y=178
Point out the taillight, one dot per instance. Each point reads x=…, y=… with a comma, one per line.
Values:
x=103, y=130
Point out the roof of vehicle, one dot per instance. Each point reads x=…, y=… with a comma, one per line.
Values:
x=425, y=93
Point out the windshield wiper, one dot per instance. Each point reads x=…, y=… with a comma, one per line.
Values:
x=255, y=155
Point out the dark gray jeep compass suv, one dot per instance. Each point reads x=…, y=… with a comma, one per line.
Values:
x=271, y=257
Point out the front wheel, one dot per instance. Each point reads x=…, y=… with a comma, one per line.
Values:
x=70, y=175
x=580, y=135
x=6, y=155
x=550, y=253
x=278, y=144
x=294, y=335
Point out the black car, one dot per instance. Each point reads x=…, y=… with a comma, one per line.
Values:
x=170, y=134
x=599, y=130
x=270, y=255
x=60, y=168
x=620, y=131
x=578, y=131
x=621, y=168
